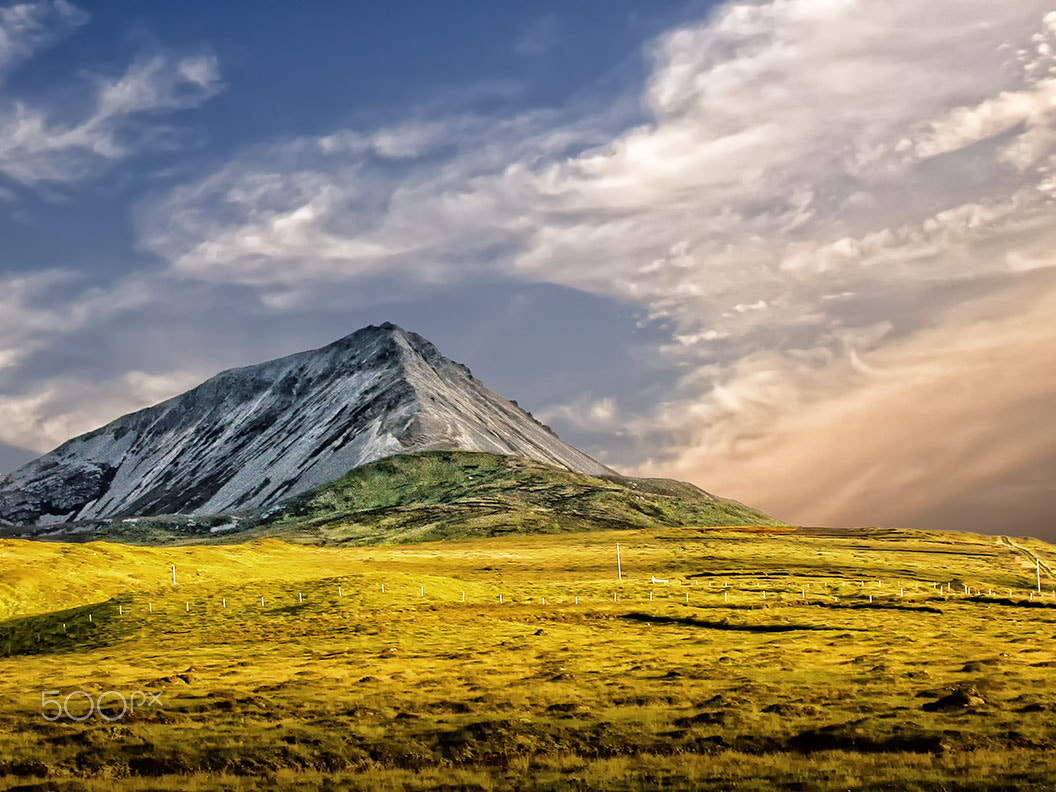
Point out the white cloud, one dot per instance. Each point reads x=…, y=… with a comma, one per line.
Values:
x=966, y=125
x=772, y=126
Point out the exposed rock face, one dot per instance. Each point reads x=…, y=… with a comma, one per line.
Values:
x=252, y=436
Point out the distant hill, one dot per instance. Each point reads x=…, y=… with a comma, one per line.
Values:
x=453, y=494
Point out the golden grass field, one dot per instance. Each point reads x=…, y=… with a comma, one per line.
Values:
x=394, y=690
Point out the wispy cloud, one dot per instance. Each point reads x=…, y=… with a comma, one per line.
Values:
x=540, y=37
x=52, y=309
x=58, y=408
x=39, y=308
x=44, y=144
x=35, y=148
x=25, y=28
x=947, y=428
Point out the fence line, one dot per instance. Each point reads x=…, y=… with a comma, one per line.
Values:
x=654, y=594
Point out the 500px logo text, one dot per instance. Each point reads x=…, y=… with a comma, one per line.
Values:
x=80, y=705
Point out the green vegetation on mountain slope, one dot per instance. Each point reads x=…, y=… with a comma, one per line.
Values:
x=365, y=669
x=433, y=495
x=452, y=494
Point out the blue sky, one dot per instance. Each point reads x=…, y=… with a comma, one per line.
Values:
x=798, y=251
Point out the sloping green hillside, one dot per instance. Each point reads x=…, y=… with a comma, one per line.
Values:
x=453, y=494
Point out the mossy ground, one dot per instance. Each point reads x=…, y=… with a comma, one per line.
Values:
x=395, y=690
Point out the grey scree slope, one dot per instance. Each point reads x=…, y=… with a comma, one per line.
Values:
x=249, y=437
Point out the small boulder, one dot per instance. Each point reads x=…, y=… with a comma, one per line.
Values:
x=960, y=698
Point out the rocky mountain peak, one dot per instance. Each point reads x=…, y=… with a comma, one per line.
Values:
x=252, y=436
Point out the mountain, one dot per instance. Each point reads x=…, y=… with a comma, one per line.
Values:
x=253, y=436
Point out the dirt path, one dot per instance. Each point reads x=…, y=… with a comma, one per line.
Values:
x=1034, y=559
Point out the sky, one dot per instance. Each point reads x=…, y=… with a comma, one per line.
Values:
x=800, y=252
